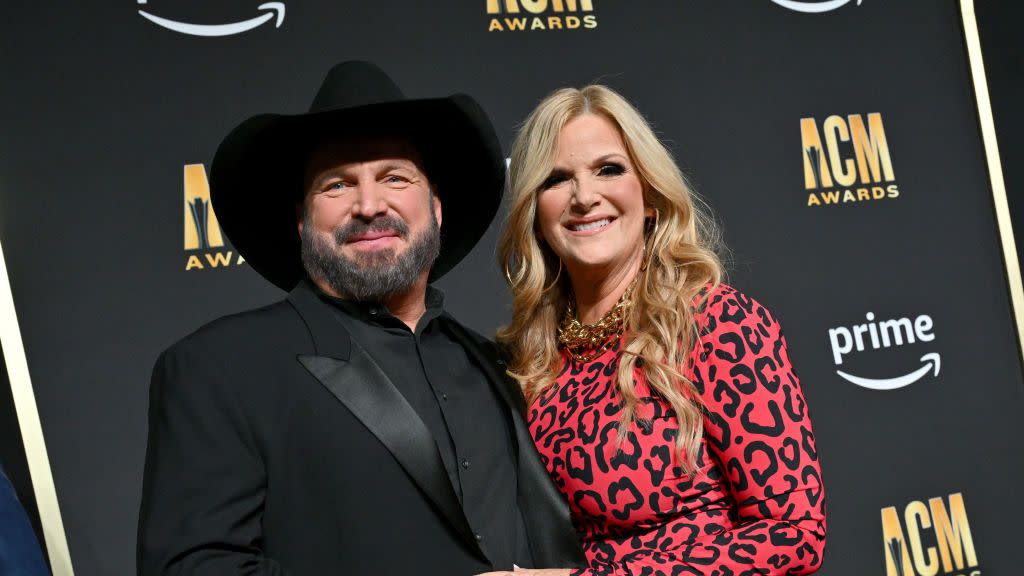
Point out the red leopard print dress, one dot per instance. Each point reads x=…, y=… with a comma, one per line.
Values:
x=756, y=505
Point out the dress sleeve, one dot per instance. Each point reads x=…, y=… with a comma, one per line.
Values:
x=758, y=433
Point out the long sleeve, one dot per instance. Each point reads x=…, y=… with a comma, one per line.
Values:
x=759, y=447
x=205, y=482
x=759, y=432
x=19, y=550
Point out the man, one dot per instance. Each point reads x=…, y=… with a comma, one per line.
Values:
x=355, y=427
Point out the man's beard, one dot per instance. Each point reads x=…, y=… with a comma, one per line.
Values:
x=375, y=275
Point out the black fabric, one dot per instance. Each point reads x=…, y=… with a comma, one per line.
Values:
x=387, y=415
x=542, y=504
x=468, y=419
x=255, y=466
x=400, y=353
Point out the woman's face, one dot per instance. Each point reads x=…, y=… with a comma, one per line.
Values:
x=591, y=207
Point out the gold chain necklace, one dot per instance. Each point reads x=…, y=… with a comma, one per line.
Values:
x=577, y=338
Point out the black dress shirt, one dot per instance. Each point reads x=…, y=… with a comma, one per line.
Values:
x=463, y=412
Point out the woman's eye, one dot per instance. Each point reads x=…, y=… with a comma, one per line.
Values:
x=611, y=170
x=553, y=180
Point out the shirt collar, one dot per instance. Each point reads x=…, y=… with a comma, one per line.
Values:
x=378, y=314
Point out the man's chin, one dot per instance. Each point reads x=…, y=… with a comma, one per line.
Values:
x=377, y=257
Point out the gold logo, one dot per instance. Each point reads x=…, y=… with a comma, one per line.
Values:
x=204, y=242
x=906, y=553
x=847, y=161
x=521, y=15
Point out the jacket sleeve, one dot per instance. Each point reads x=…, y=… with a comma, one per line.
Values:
x=205, y=481
x=759, y=434
x=19, y=550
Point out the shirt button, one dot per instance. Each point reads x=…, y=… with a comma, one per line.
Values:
x=465, y=463
x=478, y=537
x=444, y=396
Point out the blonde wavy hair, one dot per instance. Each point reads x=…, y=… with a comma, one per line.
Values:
x=681, y=251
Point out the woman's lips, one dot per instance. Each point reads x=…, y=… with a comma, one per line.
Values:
x=589, y=227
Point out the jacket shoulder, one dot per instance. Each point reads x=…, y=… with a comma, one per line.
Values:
x=269, y=325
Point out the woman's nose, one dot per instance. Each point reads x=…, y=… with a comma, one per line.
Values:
x=584, y=194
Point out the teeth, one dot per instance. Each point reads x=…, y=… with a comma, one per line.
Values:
x=591, y=225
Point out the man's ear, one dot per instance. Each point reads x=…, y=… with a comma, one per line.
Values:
x=435, y=203
x=300, y=216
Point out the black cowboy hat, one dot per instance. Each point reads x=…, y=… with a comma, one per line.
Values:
x=256, y=179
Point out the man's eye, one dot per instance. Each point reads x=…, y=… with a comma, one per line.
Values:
x=393, y=179
x=611, y=170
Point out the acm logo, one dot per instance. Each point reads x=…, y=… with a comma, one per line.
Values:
x=520, y=15
x=906, y=551
x=847, y=160
x=204, y=242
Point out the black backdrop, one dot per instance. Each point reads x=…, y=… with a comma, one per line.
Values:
x=999, y=22
x=106, y=108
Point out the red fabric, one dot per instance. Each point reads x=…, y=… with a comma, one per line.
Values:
x=756, y=504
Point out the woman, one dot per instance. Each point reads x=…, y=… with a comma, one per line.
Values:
x=662, y=401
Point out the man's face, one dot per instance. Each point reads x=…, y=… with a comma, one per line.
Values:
x=370, y=223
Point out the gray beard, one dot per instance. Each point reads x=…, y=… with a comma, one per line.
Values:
x=369, y=277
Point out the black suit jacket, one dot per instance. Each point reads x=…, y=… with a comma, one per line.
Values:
x=277, y=446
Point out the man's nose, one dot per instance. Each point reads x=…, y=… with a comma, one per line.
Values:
x=370, y=200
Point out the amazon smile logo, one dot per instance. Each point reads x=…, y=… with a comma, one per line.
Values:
x=814, y=7
x=876, y=335
x=271, y=11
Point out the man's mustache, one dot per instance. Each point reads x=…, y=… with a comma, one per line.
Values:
x=356, y=227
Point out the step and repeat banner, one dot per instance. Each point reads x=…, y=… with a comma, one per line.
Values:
x=838, y=142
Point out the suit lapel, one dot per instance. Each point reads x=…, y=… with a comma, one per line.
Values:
x=553, y=540
x=355, y=379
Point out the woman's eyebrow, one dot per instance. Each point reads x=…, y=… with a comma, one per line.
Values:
x=609, y=156
x=559, y=171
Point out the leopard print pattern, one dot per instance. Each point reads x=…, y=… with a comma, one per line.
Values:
x=755, y=503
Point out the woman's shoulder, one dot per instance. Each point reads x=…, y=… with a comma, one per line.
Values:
x=723, y=306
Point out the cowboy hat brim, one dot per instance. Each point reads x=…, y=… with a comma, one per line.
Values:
x=256, y=179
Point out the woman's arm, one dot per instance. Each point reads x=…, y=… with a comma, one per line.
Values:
x=759, y=431
x=759, y=434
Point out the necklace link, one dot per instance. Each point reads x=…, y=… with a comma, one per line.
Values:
x=578, y=338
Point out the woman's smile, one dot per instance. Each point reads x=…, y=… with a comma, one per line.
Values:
x=589, y=226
